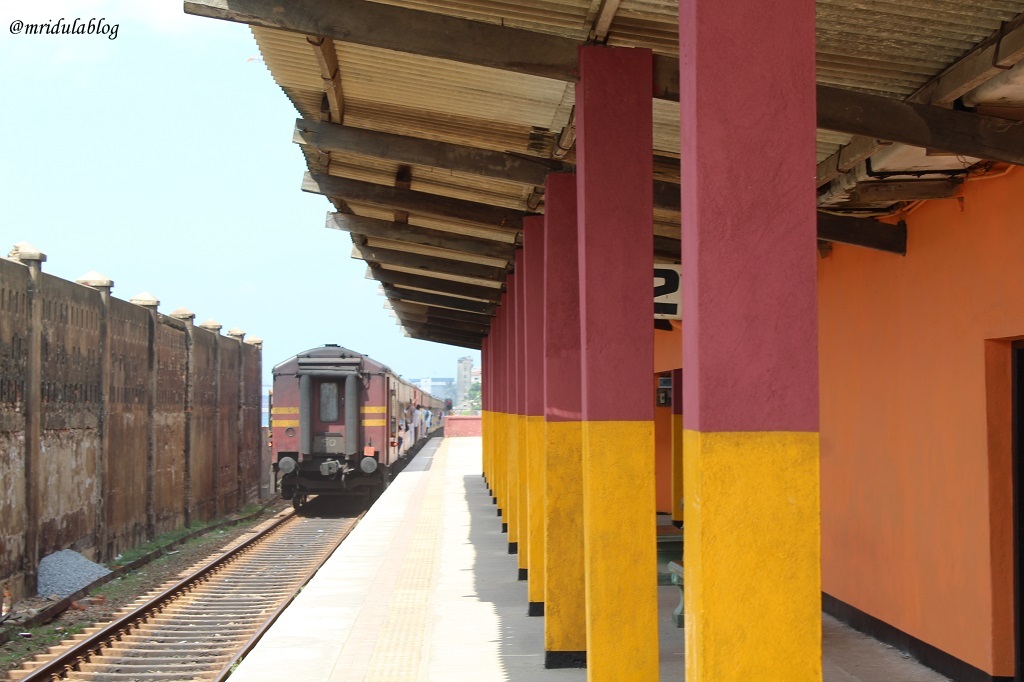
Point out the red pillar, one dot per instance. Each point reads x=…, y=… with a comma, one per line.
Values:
x=752, y=560
x=614, y=153
x=533, y=290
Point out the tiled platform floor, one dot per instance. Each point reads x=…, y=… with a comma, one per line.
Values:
x=424, y=589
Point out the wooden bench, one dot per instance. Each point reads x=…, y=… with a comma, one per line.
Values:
x=676, y=573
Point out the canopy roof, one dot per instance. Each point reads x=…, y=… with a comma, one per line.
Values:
x=430, y=125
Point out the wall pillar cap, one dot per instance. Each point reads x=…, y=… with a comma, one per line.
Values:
x=255, y=341
x=183, y=314
x=95, y=280
x=236, y=333
x=145, y=299
x=25, y=252
x=212, y=325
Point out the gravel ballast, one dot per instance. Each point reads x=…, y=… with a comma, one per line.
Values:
x=65, y=572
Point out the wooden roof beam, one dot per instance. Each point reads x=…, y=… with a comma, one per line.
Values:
x=461, y=341
x=1001, y=50
x=384, y=229
x=419, y=309
x=892, y=191
x=603, y=22
x=330, y=72
x=420, y=152
x=437, y=300
x=428, y=264
x=454, y=328
x=427, y=34
x=417, y=203
x=329, y=137
x=436, y=285
x=920, y=125
x=871, y=234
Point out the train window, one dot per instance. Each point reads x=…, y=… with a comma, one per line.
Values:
x=328, y=401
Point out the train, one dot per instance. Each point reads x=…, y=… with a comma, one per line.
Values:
x=341, y=423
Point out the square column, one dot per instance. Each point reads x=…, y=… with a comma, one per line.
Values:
x=752, y=556
x=533, y=290
x=499, y=396
x=522, y=444
x=565, y=626
x=511, y=422
x=614, y=154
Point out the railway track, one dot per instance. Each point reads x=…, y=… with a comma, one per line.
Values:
x=198, y=628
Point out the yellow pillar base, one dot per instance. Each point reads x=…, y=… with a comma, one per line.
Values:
x=620, y=551
x=565, y=626
x=523, y=500
x=752, y=557
x=511, y=505
x=535, y=502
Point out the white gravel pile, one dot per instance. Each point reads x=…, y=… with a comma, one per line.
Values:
x=65, y=572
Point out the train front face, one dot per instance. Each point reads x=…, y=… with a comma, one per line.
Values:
x=317, y=436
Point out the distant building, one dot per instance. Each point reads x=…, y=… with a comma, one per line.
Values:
x=439, y=388
x=463, y=378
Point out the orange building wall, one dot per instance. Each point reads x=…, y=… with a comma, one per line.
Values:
x=668, y=355
x=915, y=423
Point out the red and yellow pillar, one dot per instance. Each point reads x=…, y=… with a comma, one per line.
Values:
x=565, y=628
x=614, y=152
x=512, y=510
x=522, y=473
x=533, y=420
x=752, y=556
x=498, y=395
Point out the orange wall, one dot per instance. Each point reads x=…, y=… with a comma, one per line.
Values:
x=668, y=355
x=915, y=430
x=663, y=454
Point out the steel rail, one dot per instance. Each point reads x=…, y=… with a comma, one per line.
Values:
x=67, y=662
x=225, y=672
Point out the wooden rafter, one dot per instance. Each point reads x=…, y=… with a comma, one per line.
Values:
x=865, y=232
x=428, y=264
x=402, y=307
x=420, y=203
x=373, y=227
x=436, y=285
x=889, y=192
x=330, y=72
x=441, y=301
x=603, y=22
x=920, y=125
x=463, y=342
x=421, y=152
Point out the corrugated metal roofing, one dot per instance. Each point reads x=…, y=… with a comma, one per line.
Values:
x=887, y=47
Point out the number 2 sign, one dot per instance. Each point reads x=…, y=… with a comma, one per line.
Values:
x=668, y=295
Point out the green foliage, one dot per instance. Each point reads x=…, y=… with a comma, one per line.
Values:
x=473, y=397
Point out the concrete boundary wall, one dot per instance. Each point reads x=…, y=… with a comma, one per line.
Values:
x=117, y=423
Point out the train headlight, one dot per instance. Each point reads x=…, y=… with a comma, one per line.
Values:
x=368, y=465
x=286, y=465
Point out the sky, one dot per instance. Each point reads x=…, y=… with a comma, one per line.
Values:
x=163, y=159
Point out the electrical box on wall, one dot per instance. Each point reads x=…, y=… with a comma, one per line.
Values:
x=664, y=395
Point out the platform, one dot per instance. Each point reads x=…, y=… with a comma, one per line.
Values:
x=424, y=589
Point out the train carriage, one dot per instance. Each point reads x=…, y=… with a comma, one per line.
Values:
x=341, y=422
